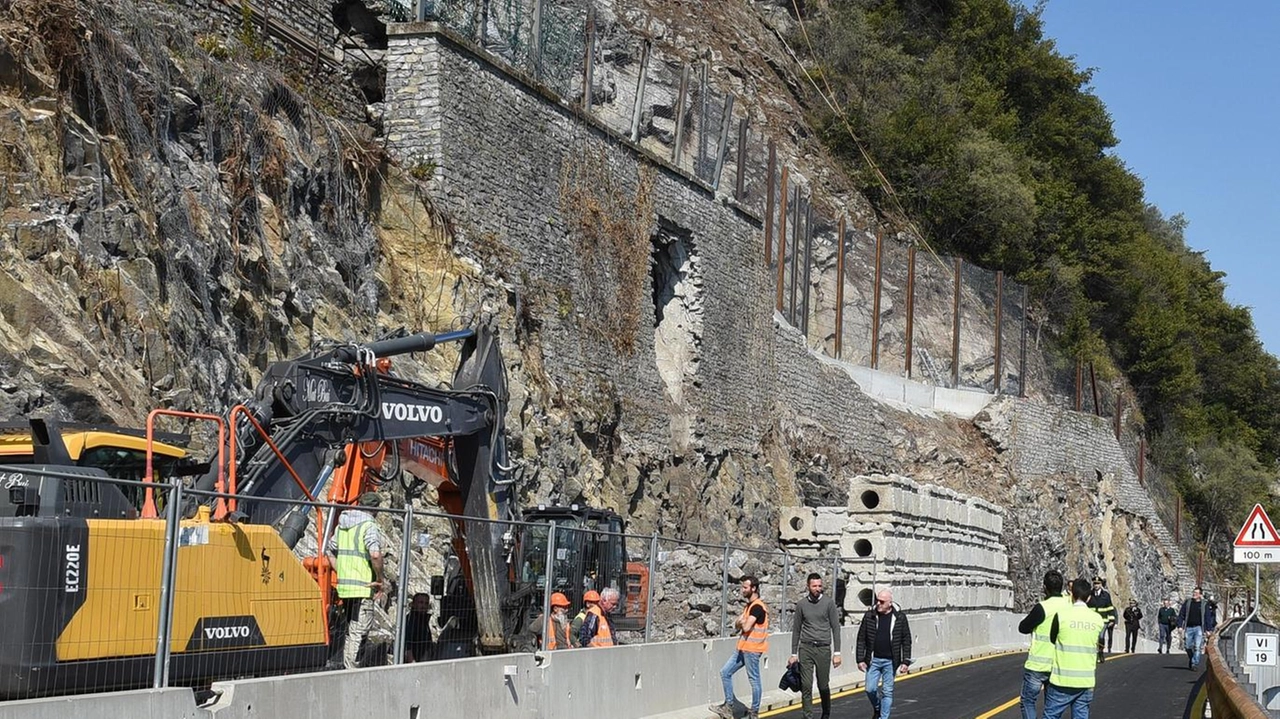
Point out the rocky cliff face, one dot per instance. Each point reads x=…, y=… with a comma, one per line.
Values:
x=179, y=214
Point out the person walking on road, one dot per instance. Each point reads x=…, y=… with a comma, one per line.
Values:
x=1100, y=601
x=1132, y=622
x=1166, y=620
x=357, y=548
x=753, y=629
x=1074, y=633
x=884, y=650
x=814, y=636
x=1191, y=619
x=1039, y=664
x=597, y=628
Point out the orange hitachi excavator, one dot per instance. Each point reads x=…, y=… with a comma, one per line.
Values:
x=81, y=557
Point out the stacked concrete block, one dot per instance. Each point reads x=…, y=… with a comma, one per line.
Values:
x=829, y=523
x=935, y=548
x=795, y=524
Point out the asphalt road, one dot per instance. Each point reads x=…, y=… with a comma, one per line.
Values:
x=1137, y=686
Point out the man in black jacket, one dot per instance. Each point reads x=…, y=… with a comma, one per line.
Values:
x=884, y=650
x=1191, y=619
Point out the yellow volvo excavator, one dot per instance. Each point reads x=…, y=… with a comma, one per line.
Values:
x=81, y=558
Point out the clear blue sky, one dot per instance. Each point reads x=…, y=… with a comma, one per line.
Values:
x=1193, y=88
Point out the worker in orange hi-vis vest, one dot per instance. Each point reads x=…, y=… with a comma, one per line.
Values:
x=753, y=629
x=597, y=628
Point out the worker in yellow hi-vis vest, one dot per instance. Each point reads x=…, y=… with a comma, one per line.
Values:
x=358, y=551
x=1074, y=634
x=1037, y=623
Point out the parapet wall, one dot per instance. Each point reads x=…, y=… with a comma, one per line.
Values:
x=937, y=549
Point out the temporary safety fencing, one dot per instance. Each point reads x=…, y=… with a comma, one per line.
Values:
x=182, y=599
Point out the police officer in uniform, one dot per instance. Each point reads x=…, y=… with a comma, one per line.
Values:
x=1101, y=603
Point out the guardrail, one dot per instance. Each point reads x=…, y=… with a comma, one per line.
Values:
x=1233, y=691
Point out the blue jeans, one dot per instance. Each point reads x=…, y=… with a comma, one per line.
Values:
x=740, y=659
x=1165, y=637
x=1057, y=699
x=1195, y=643
x=880, y=685
x=1032, y=684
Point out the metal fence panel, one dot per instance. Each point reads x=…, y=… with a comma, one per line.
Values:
x=65, y=604
x=1059, y=367
x=934, y=317
x=893, y=306
x=508, y=30
x=733, y=140
x=822, y=289
x=563, y=46
x=462, y=16
x=791, y=251
x=710, y=140
x=689, y=588
x=977, y=328
x=1012, y=324
x=617, y=69
x=859, y=288
x=660, y=107
x=756, y=173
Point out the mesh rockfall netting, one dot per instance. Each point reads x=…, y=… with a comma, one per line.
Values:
x=931, y=344
x=673, y=108
x=1013, y=328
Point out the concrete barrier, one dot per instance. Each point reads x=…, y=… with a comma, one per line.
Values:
x=502, y=687
x=647, y=680
x=965, y=403
x=143, y=704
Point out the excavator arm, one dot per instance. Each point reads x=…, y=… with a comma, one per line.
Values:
x=311, y=414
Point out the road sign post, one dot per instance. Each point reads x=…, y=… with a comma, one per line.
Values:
x=1257, y=543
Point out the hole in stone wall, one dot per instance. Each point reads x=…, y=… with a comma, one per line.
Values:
x=796, y=523
x=862, y=547
x=871, y=499
x=677, y=307
x=864, y=596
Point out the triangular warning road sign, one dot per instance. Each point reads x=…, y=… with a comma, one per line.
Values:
x=1258, y=531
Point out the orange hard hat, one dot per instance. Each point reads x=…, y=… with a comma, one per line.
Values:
x=591, y=596
x=559, y=600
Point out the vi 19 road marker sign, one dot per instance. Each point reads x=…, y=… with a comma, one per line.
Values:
x=1260, y=650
